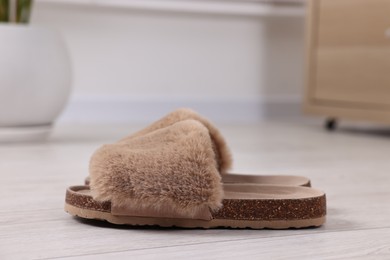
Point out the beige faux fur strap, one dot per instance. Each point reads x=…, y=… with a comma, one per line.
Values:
x=222, y=152
x=171, y=172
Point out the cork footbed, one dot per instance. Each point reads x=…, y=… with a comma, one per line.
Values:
x=284, y=180
x=243, y=206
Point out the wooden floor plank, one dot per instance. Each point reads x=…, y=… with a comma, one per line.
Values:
x=365, y=244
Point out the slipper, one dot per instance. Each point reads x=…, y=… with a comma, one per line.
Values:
x=171, y=177
x=221, y=150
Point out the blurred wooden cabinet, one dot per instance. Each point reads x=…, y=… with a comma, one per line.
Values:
x=348, y=52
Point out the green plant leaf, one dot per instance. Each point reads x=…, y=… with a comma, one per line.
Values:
x=23, y=11
x=4, y=5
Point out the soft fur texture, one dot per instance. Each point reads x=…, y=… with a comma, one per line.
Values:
x=222, y=151
x=174, y=166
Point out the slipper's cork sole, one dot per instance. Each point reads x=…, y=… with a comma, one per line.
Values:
x=192, y=223
x=244, y=206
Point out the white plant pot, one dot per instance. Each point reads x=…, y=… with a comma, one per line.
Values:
x=35, y=80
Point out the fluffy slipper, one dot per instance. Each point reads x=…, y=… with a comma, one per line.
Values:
x=171, y=177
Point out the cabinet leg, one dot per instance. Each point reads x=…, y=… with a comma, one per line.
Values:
x=331, y=124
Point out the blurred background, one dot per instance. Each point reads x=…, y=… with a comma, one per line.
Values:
x=133, y=61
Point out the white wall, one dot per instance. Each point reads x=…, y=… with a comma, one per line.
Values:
x=232, y=67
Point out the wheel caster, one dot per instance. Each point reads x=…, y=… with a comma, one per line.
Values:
x=331, y=124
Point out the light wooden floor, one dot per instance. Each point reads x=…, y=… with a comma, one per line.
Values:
x=352, y=165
